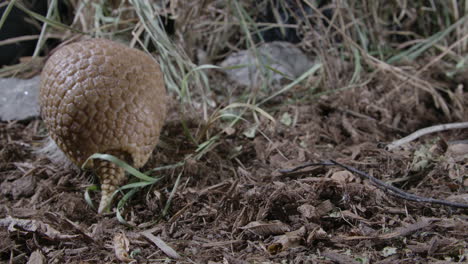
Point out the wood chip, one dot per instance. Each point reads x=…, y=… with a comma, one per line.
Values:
x=37, y=258
x=339, y=258
x=262, y=228
x=169, y=251
x=222, y=243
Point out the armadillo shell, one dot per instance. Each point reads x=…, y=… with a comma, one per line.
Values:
x=98, y=96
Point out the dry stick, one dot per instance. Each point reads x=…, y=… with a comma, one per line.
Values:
x=425, y=131
x=380, y=184
x=15, y=40
x=303, y=166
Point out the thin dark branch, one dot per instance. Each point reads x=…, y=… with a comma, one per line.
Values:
x=380, y=184
x=324, y=163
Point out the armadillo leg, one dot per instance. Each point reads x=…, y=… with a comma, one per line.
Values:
x=111, y=177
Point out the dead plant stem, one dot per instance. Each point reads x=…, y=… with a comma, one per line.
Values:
x=425, y=131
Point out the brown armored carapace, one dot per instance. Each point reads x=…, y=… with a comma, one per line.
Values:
x=98, y=96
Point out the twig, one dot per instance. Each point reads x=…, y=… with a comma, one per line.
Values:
x=380, y=184
x=324, y=163
x=425, y=131
x=338, y=257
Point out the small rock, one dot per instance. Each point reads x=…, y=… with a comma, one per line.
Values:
x=19, y=98
x=281, y=56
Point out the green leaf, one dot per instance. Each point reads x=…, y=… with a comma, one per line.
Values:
x=388, y=251
x=171, y=196
x=286, y=119
x=251, y=132
x=89, y=201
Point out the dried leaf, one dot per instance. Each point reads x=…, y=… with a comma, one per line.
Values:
x=121, y=246
x=324, y=208
x=458, y=152
x=307, y=211
x=343, y=177
x=261, y=228
x=22, y=187
x=460, y=198
x=316, y=234
x=289, y=240
x=34, y=226
x=161, y=245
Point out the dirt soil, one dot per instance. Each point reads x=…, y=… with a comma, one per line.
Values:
x=234, y=206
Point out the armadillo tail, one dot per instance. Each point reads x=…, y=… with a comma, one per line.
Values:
x=111, y=177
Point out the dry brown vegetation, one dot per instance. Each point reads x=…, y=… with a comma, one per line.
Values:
x=387, y=69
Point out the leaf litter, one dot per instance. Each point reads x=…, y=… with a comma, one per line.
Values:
x=220, y=198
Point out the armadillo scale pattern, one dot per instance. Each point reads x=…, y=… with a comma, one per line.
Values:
x=99, y=96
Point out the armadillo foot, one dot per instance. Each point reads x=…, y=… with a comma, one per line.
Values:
x=111, y=177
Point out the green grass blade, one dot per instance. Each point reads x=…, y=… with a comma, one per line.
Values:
x=419, y=48
x=87, y=196
x=46, y=20
x=306, y=74
x=121, y=205
x=121, y=164
x=172, y=166
x=40, y=41
x=7, y=12
x=171, y=196
x=252, y=107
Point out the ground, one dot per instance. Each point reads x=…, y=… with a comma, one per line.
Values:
x=234, y=205
x=222, y=197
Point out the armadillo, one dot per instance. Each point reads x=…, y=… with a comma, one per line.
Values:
x=99, y=96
